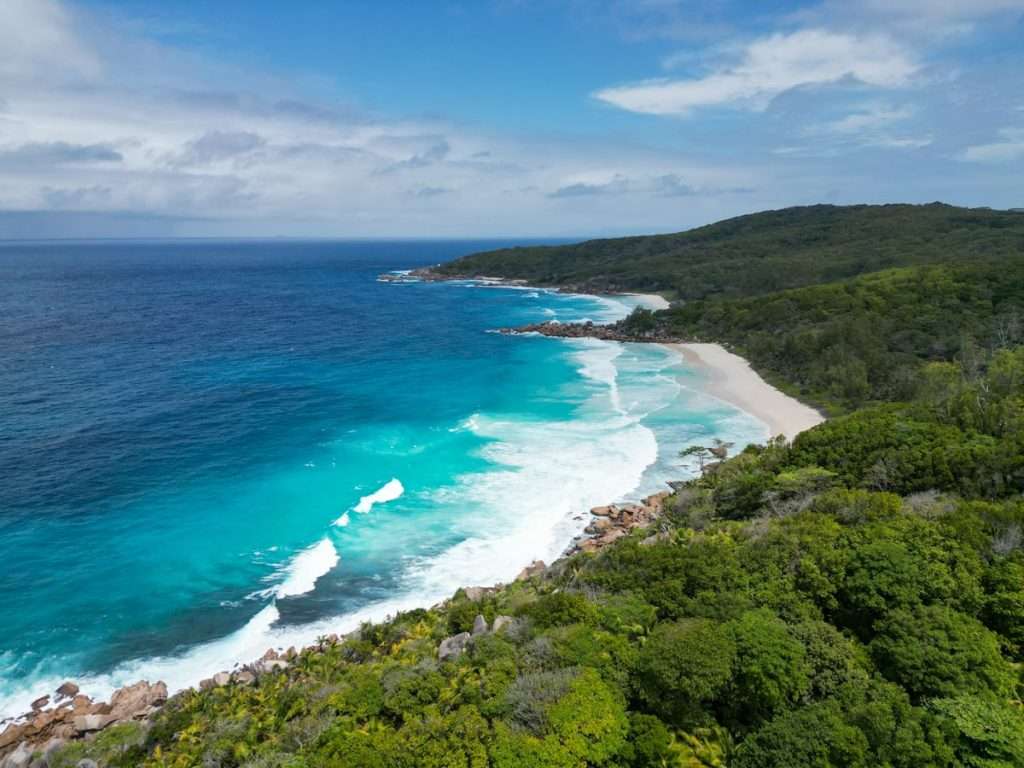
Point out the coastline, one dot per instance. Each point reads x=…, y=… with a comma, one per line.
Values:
x=731, y=379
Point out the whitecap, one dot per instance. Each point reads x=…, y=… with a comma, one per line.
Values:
x=390, y=491
x=306, y=568
x=597, y=363
x=343, y=521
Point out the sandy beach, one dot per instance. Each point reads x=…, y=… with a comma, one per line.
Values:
x=650, y=300
x=730, y=378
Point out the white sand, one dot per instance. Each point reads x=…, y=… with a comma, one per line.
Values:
x=730, y=378
x=650, y=300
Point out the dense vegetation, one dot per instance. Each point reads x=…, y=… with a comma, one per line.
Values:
x=855, y=599
x=848, y=343
x=764, y=252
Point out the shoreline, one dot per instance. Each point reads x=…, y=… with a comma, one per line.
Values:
x=730, y=378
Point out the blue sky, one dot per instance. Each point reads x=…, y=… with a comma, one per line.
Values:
x=496, y=117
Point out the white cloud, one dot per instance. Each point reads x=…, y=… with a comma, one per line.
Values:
x=868, y=118
x=1008, y=148
x=137, y=129
x=870, y=125
x=944, y=9
x=770, y=66
x=38, y=40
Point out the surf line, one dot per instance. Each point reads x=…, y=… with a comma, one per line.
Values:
x=391, y=490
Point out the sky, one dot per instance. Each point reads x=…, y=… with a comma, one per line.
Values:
x=496, y=118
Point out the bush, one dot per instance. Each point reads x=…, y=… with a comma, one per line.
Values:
x=936, y=651
x=682, y=666
x=561, y=608
x=770, y=671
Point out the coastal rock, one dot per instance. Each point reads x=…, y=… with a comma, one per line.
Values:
x=86, y=763
x=50, y=748
x=452, y=647
x=535, y=568
x=500, y=622
x=19, y=758
x=41, y=702
x=245, y=677
x=133, y=700
x=80, y=704
x=589, y=330
x=602, y=511
x=271, y=665
x=270, y=655
x=67, y=690
x=588, y=545
x=44, y=720
x=599, y=525
x=479, y=625
x=221, y=679
x=12, y=735
x=89, y=723
x=657, y=500
x=476, y=594
x=611, y=536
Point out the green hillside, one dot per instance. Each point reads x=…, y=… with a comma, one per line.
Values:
x=844, y=344
x=764, y=252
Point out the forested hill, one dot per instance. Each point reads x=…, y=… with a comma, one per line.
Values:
x=841, y=306
x=764, y=252
x=850, y=343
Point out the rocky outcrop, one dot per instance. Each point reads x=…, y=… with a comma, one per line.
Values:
x=610, y=523
x=452, y=647
x=428, y=275
x=76, y=716
x=501, y=622
x=476, y=594
x=536, y=568
x=67, y=691
x=479, y=626
x=589, y=330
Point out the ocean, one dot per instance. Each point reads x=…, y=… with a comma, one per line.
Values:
x=210, y=448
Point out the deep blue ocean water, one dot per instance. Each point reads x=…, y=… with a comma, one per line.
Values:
x=211, y=448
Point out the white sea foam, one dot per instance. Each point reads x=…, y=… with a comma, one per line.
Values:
x=178, y=671
x=597, y=362
x=390, y=491
x=343, y=521
x=306, y=568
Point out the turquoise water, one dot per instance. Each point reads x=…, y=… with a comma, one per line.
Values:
x=209, y=449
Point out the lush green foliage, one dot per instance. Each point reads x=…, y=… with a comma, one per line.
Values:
x=764, y=252
x=849, y=343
